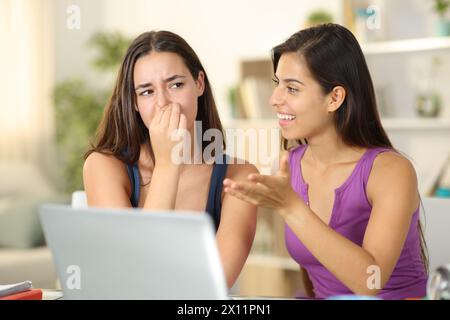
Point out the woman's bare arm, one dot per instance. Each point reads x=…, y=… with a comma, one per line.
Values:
x=106, y=181
x=237, y=226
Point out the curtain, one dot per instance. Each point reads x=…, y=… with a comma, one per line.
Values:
x=26, y=81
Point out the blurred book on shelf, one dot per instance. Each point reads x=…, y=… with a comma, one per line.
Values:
x=443, y=185
x=269, y=237
x=365, y=19
x=253, y=96
x=383, y=99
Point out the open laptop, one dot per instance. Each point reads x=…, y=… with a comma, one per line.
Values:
x=133, y=254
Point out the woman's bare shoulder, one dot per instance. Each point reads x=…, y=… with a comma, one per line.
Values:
x=392, y=173
x=392, y=164
x=101, y=161
x=104, y=168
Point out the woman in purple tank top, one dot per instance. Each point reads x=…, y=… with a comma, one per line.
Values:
x=350, y=202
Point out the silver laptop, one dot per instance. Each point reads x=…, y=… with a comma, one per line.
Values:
x=133, y=254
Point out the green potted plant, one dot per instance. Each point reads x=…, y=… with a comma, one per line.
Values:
x=79, y=108
x=443, y=24
x=318, y=17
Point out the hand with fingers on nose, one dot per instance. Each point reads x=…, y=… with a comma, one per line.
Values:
x=267, y=191
x=166, y=129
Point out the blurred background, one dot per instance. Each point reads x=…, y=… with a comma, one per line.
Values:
x=59, y=60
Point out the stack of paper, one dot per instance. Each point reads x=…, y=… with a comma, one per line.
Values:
x=10, y=289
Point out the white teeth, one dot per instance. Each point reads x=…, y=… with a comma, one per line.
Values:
x=282, y=116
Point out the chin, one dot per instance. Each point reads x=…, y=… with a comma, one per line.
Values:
x=291, y=134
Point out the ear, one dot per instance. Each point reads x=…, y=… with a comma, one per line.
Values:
x=200, y=83
x=336, y=98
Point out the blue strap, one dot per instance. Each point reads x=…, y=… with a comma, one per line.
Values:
x=214, y=203
x=133, y=174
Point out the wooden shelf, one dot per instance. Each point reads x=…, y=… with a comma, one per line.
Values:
x=384, y=47
x=416, y=123
x=408, y=45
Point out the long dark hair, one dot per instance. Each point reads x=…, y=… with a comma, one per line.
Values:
x=122, y=127
x=334, y=58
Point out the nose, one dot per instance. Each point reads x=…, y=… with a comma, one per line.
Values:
x=276, y=99
x=162, y=99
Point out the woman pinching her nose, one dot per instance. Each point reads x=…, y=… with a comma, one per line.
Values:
x=162, y=87
x=166, y=123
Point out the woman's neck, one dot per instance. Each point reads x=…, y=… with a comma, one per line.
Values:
x=328, y=149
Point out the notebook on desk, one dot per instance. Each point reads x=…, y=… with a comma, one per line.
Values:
x=133, y=254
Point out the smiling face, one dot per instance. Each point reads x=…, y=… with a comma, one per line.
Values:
x=162, y=78
x=302, y=108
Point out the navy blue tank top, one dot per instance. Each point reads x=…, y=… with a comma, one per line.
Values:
x=214, y=203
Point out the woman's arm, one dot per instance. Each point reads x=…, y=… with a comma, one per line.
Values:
x=107, y=184
x=163, y=187
x=106, y=181
x=237, y=226
x=162, y=192
x=392, y=188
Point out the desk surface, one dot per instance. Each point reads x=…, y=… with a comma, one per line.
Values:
x=48, y=294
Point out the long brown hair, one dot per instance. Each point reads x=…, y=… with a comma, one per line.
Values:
x=335, y=58
x=122, y=128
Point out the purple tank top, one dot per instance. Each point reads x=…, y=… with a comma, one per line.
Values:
x=349, y=217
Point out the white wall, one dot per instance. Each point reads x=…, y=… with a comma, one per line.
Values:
x=409, y=19
x=72, y=55
x=221, y=32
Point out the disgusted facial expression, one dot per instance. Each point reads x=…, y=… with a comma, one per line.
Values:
x=161, y=79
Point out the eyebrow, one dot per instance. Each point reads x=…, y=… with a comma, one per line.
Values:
x=148, y=84
x=290, y=80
